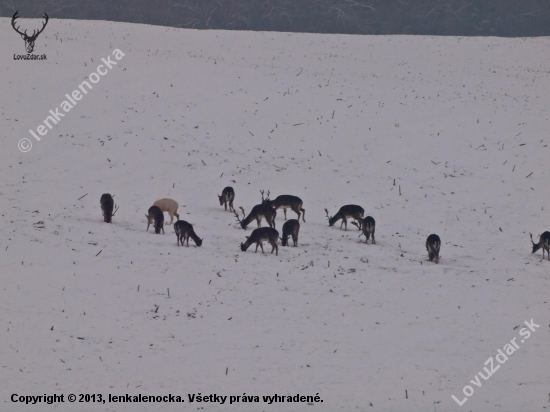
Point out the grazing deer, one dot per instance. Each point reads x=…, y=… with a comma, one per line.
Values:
x=29, y=40
x=544, y=243
x=290, y=228
x=228, y=195
x=107, y=204
x=367, y=226
x=258, y=212
x=154, y=215
x=433, y=244
x=286, y=202
x=184, y=231
x=354, y=211
x=168, y=205
x=258, y=236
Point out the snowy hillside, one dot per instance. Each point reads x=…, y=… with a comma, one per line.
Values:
x=429, y=135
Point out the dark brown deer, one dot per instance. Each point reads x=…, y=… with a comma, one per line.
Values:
x=290, y=228
x=228, y=195
x=258, y=236
x=286, y=202
x=107, y=204
x=367, y=226
x=433, y=244
x=345, y=212
x=544, y=243
x=29, y=40
x=154, y=215
x=184, y=231
x=258, y=212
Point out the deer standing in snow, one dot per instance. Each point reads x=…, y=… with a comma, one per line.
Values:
x=544, y=243
x=184, y=231
x=367, y=226
x=286, y=202
x=433, y=244
x=154, y=215
x=258, y=236
x=107, y=204
x=168, y=205
x=345, y=212
x=258, y=212
x=290, y=228
x=228, y=195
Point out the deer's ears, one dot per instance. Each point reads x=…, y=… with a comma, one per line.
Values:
x=23, y=36
x=248, y=237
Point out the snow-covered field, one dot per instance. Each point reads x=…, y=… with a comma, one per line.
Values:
x=458, y=125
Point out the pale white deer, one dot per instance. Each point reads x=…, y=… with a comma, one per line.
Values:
x=168, y=205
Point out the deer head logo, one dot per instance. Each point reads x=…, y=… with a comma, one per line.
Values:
x=29, y=40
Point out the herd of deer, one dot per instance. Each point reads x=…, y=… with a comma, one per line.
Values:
x=268, y=210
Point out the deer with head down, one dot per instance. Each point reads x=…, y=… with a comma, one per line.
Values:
x=345, y=212
x=156, y=217
x=259, y=235
x=544, y=243
x=291, y=228
x=168, y=205
x=228, y=195
x=184, y=231
x=107, y=204
x=367, y=226
x=433, y=245
x=258, y=212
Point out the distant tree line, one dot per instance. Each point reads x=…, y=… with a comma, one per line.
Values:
x=509, y=18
